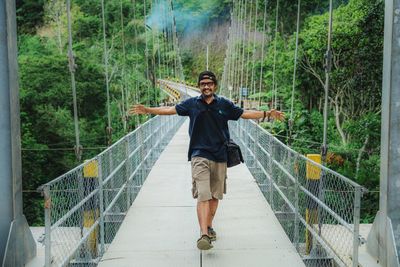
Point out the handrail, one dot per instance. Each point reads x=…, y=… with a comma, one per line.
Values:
x=324, y=209
x=78, y=203
x=344, y=178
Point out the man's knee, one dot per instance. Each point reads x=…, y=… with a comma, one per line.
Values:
x=202, y=202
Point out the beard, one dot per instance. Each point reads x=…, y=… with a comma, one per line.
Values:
x=207, y=93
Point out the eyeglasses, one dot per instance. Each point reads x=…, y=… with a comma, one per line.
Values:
x=209, y=84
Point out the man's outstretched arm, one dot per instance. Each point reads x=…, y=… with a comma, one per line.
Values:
x=258, y=114
x=140, y=109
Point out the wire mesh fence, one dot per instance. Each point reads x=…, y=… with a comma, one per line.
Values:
x=318, y=208
x=85, y=207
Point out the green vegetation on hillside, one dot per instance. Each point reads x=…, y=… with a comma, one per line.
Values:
x=355, y=84
x=45, y=83
x=137, y=56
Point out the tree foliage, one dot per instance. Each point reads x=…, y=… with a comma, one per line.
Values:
x=355, y=85
x=48, y=135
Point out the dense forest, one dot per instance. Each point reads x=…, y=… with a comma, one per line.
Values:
x=140, y=45
x=355, y=86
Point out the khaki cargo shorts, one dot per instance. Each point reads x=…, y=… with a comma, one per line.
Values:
x=208, y=179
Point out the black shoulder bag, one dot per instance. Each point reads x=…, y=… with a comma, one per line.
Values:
x=234, y=154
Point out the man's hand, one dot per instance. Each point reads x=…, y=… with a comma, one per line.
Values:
x=258, y=114
x=277, y=115
x=138, y=109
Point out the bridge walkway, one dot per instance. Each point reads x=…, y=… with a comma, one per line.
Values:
x=161, y=228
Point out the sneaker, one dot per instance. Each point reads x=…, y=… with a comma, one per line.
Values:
x=204, y=243
x=212, y=234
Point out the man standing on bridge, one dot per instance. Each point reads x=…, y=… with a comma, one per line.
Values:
x=207, y=152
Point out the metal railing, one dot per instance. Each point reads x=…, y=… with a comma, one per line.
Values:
x=318, y=208
x=85, y=207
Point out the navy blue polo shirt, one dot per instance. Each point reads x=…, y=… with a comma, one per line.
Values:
x=204, y=141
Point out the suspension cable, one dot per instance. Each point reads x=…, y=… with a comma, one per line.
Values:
x=174, y=44
x=153, y=61
x=262, y=54
x=328, y=67
x=164, y=40
x=146, y=53
x=294, y=73
x=253, y=83
x=136, y=94
x=72, y=69
x=235, y=74
x=232, y=52
x=158, y=48
x=105, y=52
x=247, y=47
x=228, y=83
x=225, y=75
x=274, y=87
x=225, y=78
x=168, y=43
x=235, y=56
x=243, y=52
x=124, y=89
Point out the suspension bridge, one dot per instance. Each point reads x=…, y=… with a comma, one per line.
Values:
x=130, y=205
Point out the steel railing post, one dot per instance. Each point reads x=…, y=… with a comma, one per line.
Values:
x=101, y=204
x=150, y=158
x=47, y=225
x=270, y=170
x=163, y=133
x=143, y=134
x=246, y=132
x=242, y=136
x=143, y=153
x=256, y=154
x=160, y=139
x=155, y=142
x=296, y=205
x=356, y=222
x=255, y=143
x=111, y=187
x=128, y=173
x=81, y=194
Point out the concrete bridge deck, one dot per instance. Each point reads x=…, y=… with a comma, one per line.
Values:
x=161, y=227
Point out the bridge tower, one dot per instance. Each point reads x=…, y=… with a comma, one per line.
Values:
x=384, y=239
x=17, y=245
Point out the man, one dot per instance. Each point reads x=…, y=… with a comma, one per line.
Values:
x=207, y=151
